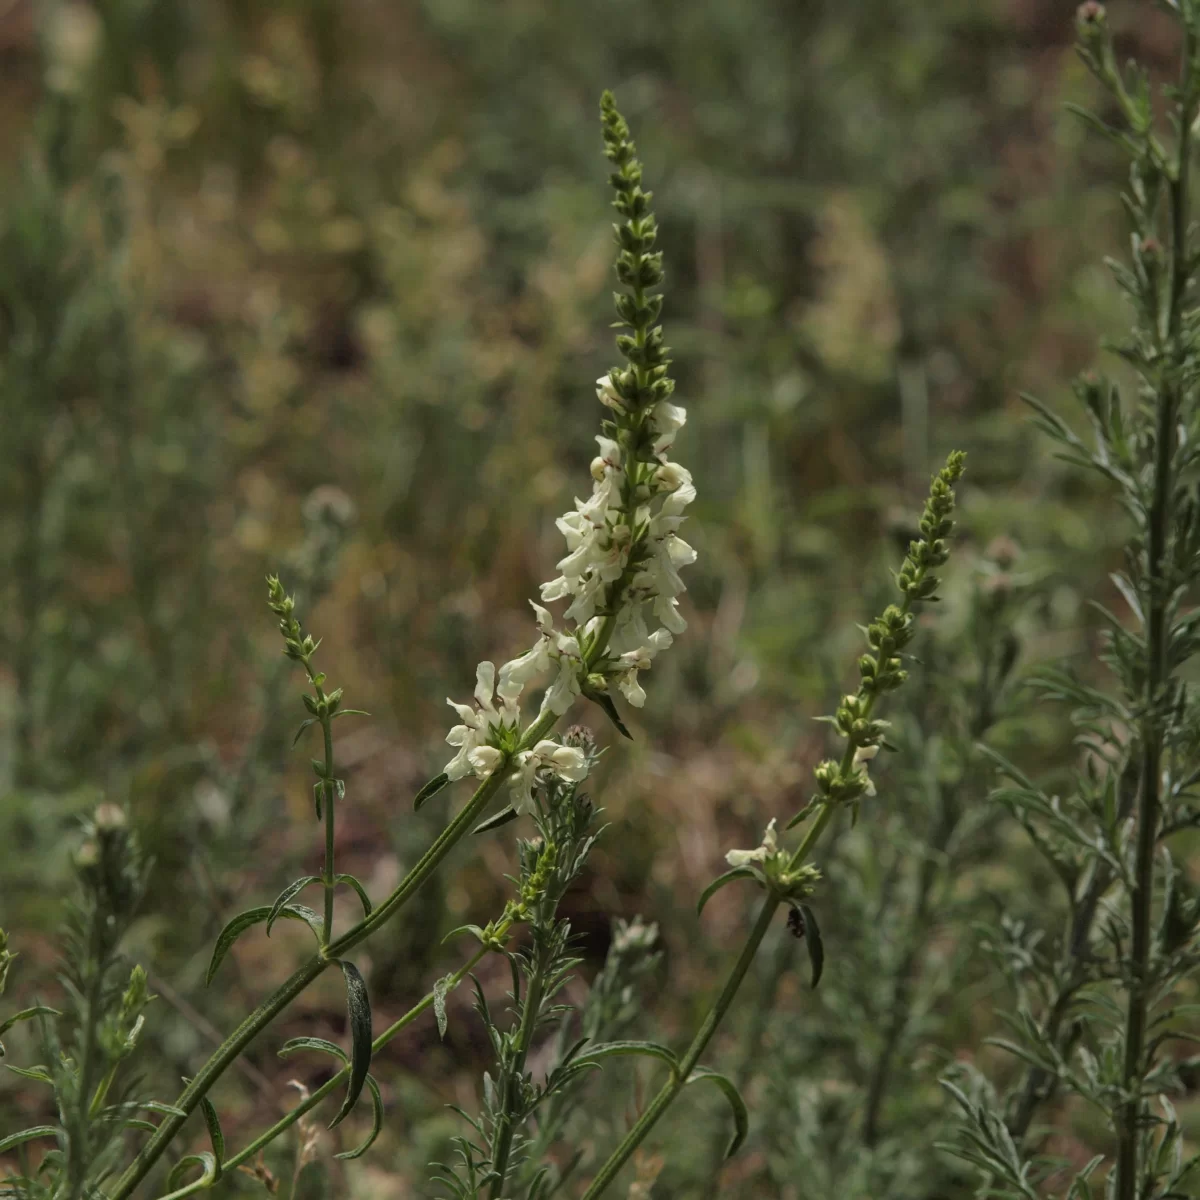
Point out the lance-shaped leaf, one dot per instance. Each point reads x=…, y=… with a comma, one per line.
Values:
x=358, y=887
x=376, y=1122
x=430, y=790
x=358, y=1009
x=38, y=1074
x=741, y=1118
x=604, y=701
x=506, y=814
x=26, y=1135
x=648, y=1049
x=214, y=1132
x=26, y=1014
x=253, y=916
x=288, y=892
x=718, y=883
x=812, y=939
x=314, y=1043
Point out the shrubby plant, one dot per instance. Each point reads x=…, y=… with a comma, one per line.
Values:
x=1102, y=1002
x=620, y=583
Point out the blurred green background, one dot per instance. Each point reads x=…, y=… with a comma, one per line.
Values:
x=320, y=288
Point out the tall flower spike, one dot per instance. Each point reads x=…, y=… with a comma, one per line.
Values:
x=620, y=573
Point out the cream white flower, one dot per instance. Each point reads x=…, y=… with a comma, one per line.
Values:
x=478, y=723
x=633, y=661
x=862, y=756
x=768, y=849
x=606, y=393
x=567, y=762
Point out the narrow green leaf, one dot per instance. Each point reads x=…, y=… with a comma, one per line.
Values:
x=506, y=814
x=288, y=892
x=214, y=1131
x=803, y=813
x=166, y=1110
x=314, y=1043
x=358, y=1009
x=349, y=712
x=718, y=883
x=211, y=1173
x=26, y=1135
x=27, y=1014
x=604, y=701
x=430, y=790
x=38, y=1074
x=358, y=887
x=812, y=939
x=303, y=726
x=253, y=916
x=376, y=1122
x=649, y=1049
x=741, y=1118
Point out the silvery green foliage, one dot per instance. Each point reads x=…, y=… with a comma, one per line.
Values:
x=549, y=863
x=84, y=1049
x=1097, y=1011
x=850, y=1101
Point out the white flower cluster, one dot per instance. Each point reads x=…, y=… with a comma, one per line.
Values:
x=760, y=854
x=631, y=519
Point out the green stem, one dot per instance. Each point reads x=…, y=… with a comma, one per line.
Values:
x=265, y=1013
x=336, y=1082
x=504, y=1135
x=329, y=790
x=1157, y=667
x=78, y=1150
x=659, y=1105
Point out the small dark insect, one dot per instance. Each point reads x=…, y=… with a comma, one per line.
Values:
x=796, y=923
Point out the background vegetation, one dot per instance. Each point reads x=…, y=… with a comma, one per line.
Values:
x=321, y=286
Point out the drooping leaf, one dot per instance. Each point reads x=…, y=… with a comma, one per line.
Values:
x=349, y=712
x=430, y=790
x=718, y=883
x=741, y=1118
x=27, y=1014
x=648, y=1049
x=214, y=1131
x=253, y=916
x=358, y=1010
x=358, y=887
x=376, y=1122
x=288, y=892
x=26, y=1135
x=506, y=814
x=604, y=701
x=314, y=1043
x=303, y=726
x=211, y=1172
x=38, y=1074
x=812, y=939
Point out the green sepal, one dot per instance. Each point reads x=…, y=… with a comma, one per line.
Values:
x=605, y=702
x=376, y=1122
x=812, y=939
x=253, y=916
x=506, y=814
x=430, y=790
x=288, y=892
x=358, y=887
x=718, y=883
x=741, y=1117
x=214, y=1132
x=649, y=1049
x=26, y=1135
x=358, y=1010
